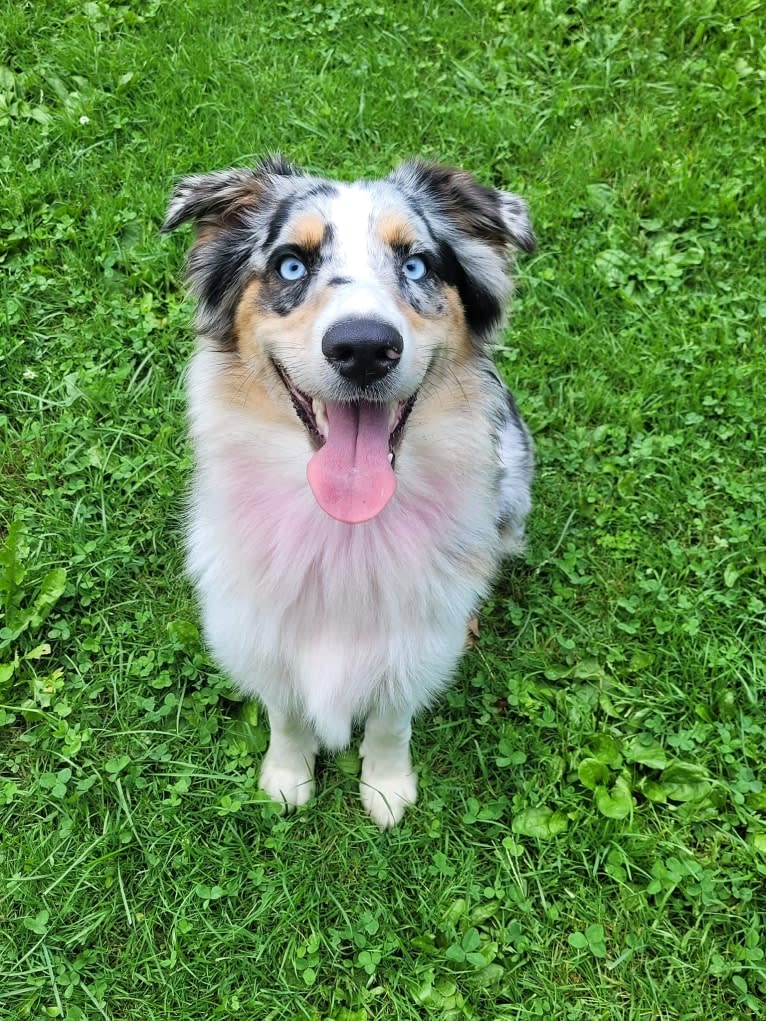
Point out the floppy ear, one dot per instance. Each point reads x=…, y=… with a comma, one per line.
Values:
x=204, y=197
x=477, y=230
x=227, y=208
x=498, y=217
x=216, y=198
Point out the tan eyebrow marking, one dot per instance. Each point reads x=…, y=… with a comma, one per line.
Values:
x=396, y=230
x=307, y=231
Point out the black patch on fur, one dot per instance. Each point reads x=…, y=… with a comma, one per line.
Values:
x=513, y=411
x=279, y=219
x=279, y=166
x=327, y=236
x=482, y=308
x=515, y=416
x=217, y=272
x=224, y=264
x=470, y=205
x=510, y=410
x=325, y=188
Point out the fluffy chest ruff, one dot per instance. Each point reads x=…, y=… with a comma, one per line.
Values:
x=361, y=469
x=340, y=617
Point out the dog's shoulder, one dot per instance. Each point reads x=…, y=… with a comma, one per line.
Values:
x=515, y=458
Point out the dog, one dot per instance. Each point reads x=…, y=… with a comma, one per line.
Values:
x=361, y=469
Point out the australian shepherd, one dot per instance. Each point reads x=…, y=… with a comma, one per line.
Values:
x=361, y=468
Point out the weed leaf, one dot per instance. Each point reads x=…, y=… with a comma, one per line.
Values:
x=644, y=750
x=542, y=823
x=593, y=774
x=616, y=802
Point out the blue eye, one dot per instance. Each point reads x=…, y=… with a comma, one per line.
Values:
x=414, y=268
x=291, y=268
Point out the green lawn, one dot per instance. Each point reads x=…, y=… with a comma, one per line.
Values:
x=590, y=839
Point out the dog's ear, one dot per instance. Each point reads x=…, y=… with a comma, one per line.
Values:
x=229, y=208
x=216, y=199
x=497, y=217
x=477, y=230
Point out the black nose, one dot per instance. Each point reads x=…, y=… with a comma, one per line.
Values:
x=362, y=350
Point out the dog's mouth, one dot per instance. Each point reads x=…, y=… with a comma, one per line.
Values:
x=351, y=472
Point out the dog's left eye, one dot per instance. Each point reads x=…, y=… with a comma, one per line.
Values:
x=414, y=268
x=291, y=268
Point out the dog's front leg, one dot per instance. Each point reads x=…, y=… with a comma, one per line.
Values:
x=388, y=784
x=287, y=773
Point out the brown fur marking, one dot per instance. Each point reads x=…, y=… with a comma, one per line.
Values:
x=307, y=231
x=447, y=330
x=395, y=229
x=261, y=334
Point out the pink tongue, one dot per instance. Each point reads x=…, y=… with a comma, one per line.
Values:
x=350, y=476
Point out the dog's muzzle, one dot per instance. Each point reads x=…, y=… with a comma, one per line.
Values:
x=363, y=351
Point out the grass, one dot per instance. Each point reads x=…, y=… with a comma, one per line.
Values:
x=590, y=838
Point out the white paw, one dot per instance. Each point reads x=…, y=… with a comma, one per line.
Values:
x=386, y=796
x=292, y=784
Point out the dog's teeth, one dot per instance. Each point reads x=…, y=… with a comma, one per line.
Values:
x=393, y=417
x=320, y=416
x=390, y=457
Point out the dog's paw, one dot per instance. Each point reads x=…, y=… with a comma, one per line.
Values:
x=292, y=786
x=386, y=796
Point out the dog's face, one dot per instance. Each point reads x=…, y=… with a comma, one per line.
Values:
x=350, y=295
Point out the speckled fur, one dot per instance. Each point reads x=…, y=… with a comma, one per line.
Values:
x=327, y=623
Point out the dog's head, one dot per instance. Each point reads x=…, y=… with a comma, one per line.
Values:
x=350, y=294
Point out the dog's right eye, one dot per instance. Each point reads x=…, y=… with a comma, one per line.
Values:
x=291, y=268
